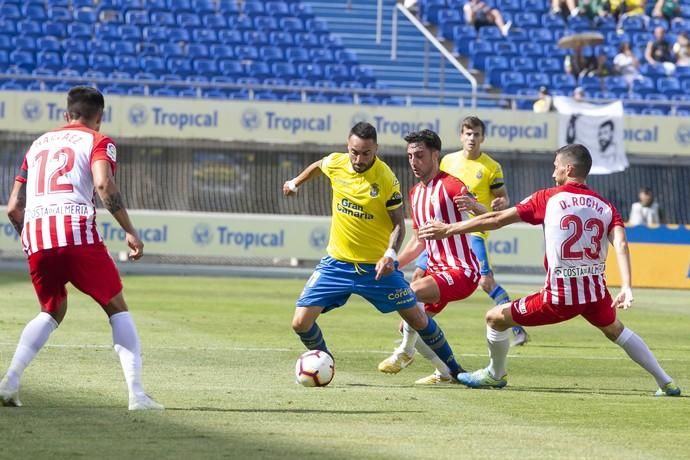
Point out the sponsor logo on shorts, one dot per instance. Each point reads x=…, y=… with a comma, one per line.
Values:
x=522, y=308
x=579, y=271
x=400, y=296
x=447, y=277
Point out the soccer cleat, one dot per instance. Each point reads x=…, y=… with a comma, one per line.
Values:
x=9, y=396
x=520, y=336
x=143, y=402
x=670, y=389
x=395, y=363
x=481, y=379
x=435, y=379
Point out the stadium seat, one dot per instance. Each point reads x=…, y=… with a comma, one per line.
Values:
x=259, y=70
x=280, y=38
x=207, y=36
x=278, y=9
x=35, y=12
x=310, y=71
x=668, y=86
x=178, y=66
x=563, y=82
x=164, y=92
x=266, y=23
x=230, y=67
x=633, y=24
x=23, y=59
x=297, y=55
x=214, y=21
x=75, y=61
x=478, y=52
x=512, y=81
x=526, y=20
x=505, y=48
x=230, y=37
x=292, y=24
x=536, y=79
x=205, y=67
x=177, y=34
x=119, y=47
x=337, y=72
x=307, y=40
x=271, y=54
x=197, y=50
x=644, y=85
x=494, y=66
x=256, y=38
x=522, y=64
x=253, y=8
x=321, y=56
x=188, y=20
x=246, y=52
x=221, y=51
x=44, y=43
x=130, y=32
x=80, y=30
x=549, y=65
x=126, y=63
x=30, y=28
x=163, y=19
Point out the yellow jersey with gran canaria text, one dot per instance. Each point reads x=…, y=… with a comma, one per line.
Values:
x=361, y=226
x=481, y=176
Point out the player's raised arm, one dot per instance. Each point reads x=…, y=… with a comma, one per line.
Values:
x=16, y=206
x=489, y=221
x=291, y=186
x=386, y=264
x=619, y=241
x=110, y=195
x=411, y=251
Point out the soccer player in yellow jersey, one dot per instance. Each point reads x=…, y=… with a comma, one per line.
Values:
x=367, y=230
x=484, y=179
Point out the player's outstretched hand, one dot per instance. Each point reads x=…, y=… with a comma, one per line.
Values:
x=433, y=230
x=136, y=247
x=465, y=203
x=624, y=299
x=499, y=203
x=289, y=188
x=384, y=267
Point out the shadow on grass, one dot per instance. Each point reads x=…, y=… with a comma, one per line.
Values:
x=70, y=424
x=587, y=391
x=295, y=411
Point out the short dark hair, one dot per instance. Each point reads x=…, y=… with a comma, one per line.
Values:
x=579, y=157
x=473, y=122
x=646, y=190
x=84, y=102
x=427, y=137
x=608, y=123
x=363, y=130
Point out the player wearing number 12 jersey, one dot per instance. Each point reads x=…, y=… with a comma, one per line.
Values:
x=52, y=207
x=577, y=222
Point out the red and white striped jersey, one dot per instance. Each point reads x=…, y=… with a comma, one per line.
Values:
x=60, y=196
x=434, y=201
x=577, y=222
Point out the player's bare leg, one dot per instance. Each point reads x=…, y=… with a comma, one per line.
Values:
x=432, y=335
x=639, y=352
x=304, y=325
x=498, y=322
x=499, y=295
x=426, y=291
x=127, y=346
x=33, y=338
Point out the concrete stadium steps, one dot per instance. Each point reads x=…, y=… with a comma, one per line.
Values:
x=356, y=26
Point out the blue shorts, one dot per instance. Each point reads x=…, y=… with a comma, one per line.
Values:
x=333, y=281
x=478, y=247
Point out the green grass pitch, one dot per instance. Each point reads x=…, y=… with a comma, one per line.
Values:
x=219, y=354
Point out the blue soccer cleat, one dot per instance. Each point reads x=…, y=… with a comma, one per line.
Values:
x=481, y=379
x=670, y=389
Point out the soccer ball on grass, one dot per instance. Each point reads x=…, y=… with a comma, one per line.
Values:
x=314, y=368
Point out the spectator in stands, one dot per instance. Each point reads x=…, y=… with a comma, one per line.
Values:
x=594, y=9
x=579, y=94
x=623, y=8
x=646, y=211
x=479, y=14
x=681, y=50
x=598, y=66
x=565, y=8
x=626, y=64
x=668, y=9
x=544, y=103
x=659, y=51
x=411, y=5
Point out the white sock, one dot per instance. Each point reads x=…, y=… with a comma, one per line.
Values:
x=499, y=344
x=34, y=336
x=635, y=347
x=429, y=354
x=126, y=344
x=409, y=339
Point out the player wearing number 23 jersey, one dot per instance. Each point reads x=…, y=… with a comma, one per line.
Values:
x=578, y=224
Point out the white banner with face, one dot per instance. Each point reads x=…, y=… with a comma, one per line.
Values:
x=598, y=127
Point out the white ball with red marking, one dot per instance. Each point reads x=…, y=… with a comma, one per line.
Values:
x=314, y=368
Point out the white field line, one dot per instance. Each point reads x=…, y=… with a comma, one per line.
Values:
x=295, y=350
